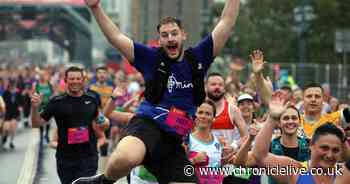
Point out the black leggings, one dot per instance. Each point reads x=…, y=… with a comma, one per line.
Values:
x=47, y=133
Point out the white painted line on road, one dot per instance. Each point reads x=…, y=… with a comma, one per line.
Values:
x=30, y=163
x=44, y=179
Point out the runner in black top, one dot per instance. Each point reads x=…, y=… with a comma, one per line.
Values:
x=13, y=102
x=77, y=115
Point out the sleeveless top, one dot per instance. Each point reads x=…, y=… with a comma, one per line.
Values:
x=223, y=127
x=214, y=151
x=223, y=120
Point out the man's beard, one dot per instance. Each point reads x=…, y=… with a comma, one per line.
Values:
x=215, y=98
x=177, y=57
x=180, y=52
x=101, y=81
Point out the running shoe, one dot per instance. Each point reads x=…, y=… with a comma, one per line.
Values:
x=3, y=140
x=97, y=179
x=12, y=146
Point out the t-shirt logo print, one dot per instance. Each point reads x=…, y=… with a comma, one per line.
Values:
x=87, y=102
x=200, y=66
x=174, y=84
x=171, y=83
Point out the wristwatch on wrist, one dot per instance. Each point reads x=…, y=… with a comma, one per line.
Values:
x=100, y=119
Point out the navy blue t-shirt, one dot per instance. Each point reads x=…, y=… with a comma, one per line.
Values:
x=179, y=88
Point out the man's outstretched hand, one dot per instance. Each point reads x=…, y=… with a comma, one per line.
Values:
x=278, y=104
x=257, y=58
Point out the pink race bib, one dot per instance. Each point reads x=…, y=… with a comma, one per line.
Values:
x=178, y=120
x=78, y=135
x=192, y=154
x=210, y=178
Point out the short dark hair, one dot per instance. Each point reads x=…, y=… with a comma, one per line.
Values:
x=214, y=74
x=287, y=88
x=296, y=109
x=169, y=20
x=12, y=83
x=212, y=104
x=74, y=69
x=326, y=129
x=312, y=85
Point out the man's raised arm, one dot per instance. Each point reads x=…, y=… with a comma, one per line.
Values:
x=222, y=30
x=111, y=31
x=37, y=120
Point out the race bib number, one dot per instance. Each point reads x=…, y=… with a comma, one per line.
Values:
x=78, y=135
x=178, y=120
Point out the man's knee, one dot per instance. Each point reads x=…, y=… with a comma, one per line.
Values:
x=114, y=130
x=130, y=152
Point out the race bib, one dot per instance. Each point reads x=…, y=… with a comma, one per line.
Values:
x=78, y=135
x=178, y=120
x=209, y=177
x=192, y=154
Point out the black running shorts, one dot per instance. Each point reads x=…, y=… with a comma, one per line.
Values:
x=165, y=156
